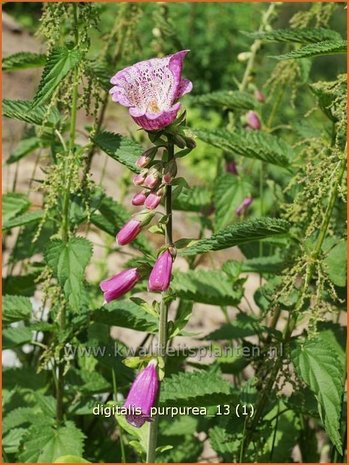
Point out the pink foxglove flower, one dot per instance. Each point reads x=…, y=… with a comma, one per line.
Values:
x=119, y=284
x=143, y=161
x=150, y=90
x=142, y=396
x=243, y=206
x=260, y=97
x=129, y=232
x=139, y=198
x=253, y=120
x=152, y=201
x=151, y=181
x=231, y=167
x=138, y=179
x=160, y=276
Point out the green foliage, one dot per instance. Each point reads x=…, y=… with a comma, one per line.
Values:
x=228, y=99
x=335, y=264
x=59, y=63
x=242, y=326
x=241, y=233
x=68, y=261
x=23, y=110
x=250, y=144
x=45, y=443
x=328, y=47
x=25, y=218
x=302, y=36
x=193, y=199
x=23, y=60
x=24, y=147
x=120, y=148
x=13, y=204
x=319, y=367
x=208, y=287
x=16, y=308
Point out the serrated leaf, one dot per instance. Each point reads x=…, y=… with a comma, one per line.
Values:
x=120, y=148
x=23, y=111
x=16, y=308
x=328, y=47
x=209, y=287
x=12, y=440
x=200, y=388
x=23, y=60
x=24, y=147
x=13, y=204
x=241, y=233
x=70, y=459
x=250, y=144
x=302, y=36
x=223, y=442
x=242, y=326
x=25, y=218
x=68, y=261
x=319, y=367
x=126, y=314
x=270, y=264
x=194, y=199
x=58, y=64
x=15, y=336
x=47, y=444
x=20, y=416
x=229, y=192
x=229, y=99
x=335, y=264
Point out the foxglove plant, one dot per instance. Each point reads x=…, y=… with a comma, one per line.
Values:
x=151, y=90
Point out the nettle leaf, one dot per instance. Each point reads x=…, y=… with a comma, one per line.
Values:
x=24, y=147
x=113, y=215
x=236, y=234
x=229, y=99
x=23, y=60
x=200, y=388
x=120, y=148
x=335, y=264
x=318, y=365
x=23, y=111
x=70, y=459
x=59, y=63
x=126, y=314
x=15, y=336
x=68, y=261
x=12, y=440
x=270, y=264
x=21, y=416
x=194, y=199
x=242, y=326
x=223, y=442
x=328, y=47
x=25, y=218
x=229, y=192
x=16, y=308
x=13, y=204
x=208, y=287
x=46, y=444
x=302, y=36
x=250, y=144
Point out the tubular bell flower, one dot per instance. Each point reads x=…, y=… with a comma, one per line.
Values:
x=151, y=89
x=253, y=120
x=139, y=198
x=142, y=395
x=119, y=284
x=131, y=229
x=243, y=206
x=152, y=201
x=160, y=276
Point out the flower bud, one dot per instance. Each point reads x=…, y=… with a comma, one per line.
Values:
x=129, y=232
x=253, y=120
x=138, y=180
x=119, y=284
x=230, y=167
x=179, y=141
x=142, y=396
x=260, y=97
x=143, y=161
x=160, y=276
x=169, y=172
x=190, y=142
x=139, y=198
x=152, y=201
x=243, y=206
x=151, y=181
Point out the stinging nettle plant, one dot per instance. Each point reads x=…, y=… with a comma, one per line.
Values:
x=257, y=163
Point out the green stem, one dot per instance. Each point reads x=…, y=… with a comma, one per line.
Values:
x=122, y=446
x=292, y=320
x=153, y=427
x=65, y=219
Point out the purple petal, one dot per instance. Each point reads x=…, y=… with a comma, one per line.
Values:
x=160, y=121
x=119, y=284
x=160, y=276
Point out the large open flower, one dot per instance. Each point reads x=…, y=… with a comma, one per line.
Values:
x=151, y=89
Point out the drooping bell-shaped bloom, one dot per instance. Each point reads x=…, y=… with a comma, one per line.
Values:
x=151, y=181
x=160, y=276
x=231, y=167
x=139, y=198
x=143, y=161
x=142, y=396
x=243, y=206
x=150, y=90
x=119, y=284
x=138, y=179
x=253, y=120
x=129, y=232
x=152, y=201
